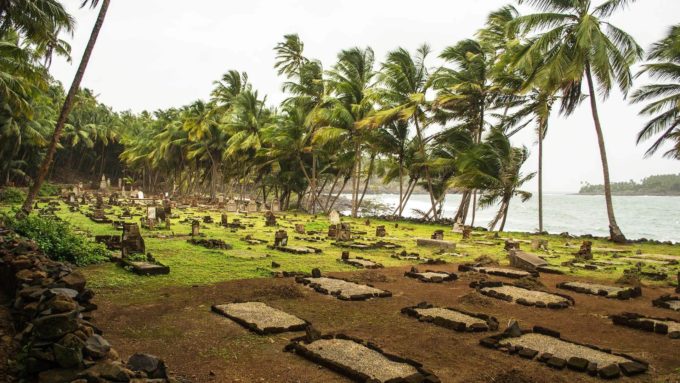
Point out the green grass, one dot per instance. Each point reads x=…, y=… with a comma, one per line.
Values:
x=195, y=265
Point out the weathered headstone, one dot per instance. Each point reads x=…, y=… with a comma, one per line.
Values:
x=333, y=231
x=195, y=228
x=270, y=218
x=132, y=241
x=300, y=228
x=467, y=232
x=380, y=231
x=511, y=245
x=526, y=261
x=102, y=183
x=438, y=234
x=585, y=252
x=345, y=255
x=224, y=220
x=151, y=212
x=334, y=217
x=251, y=207
x=344, y=232
x=231, y=206
x=539, y=244
x=275, y=206
x=280, y=238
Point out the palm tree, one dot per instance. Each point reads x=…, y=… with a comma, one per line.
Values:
x=664, y=105
x=576, y=41
x=65, y=110
x=403, y=83
x=494, y=167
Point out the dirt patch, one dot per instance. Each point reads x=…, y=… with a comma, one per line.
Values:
x=280, y=292
x=475, y=299
x=485, y=260
x=195, y=342
x=370, y=276
x=530, y=283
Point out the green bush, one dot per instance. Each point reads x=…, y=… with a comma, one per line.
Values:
x=57, y=241
x=48, y=190
x=12, y=195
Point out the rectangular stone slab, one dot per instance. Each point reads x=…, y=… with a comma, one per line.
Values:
x=260, y=318
x=343, y=289
x=436, y=243
x=598, y=289
x=357, y=360
x=564, y=350
x=531, y=296
x=503, y=272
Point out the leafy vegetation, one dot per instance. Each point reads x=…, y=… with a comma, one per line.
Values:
x=11, y=195
x=668, y=184
x=57, y=240
x=341, y=125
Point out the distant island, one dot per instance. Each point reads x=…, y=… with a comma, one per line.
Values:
x=660, y=185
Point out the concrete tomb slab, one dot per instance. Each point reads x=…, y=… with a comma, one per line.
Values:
x=526, y=261
x=362, y=263
x=663, y=326
x=452, y=318
x=522, y=296
x=361, y=361
x=606, y=291
x=431, y=276
x=497, y=271
x=342, y=289
x=260, y=318
x=667, y=301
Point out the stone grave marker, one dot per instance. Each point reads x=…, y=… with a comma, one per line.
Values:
x=276, y=207
x=334, y=217
x=438, y=235
x=344, y=232
x=380, y=231
x=526, y=261
x=539, y=244
x=195, y=228
x=132, y=241
x=223, y=220
x=300, y=228
x=585, y=252
x=467, y=232
x=511, y=245
x=270, y=218
x=231, y=206
x=280, y=238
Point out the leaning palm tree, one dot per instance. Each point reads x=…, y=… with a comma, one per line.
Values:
x=577, y=43
x=65, y=109
x=664, y=105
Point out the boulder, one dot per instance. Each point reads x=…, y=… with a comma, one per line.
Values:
x=97, y=347
x=55, y=326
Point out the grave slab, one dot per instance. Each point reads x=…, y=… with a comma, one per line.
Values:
x=498, y=271
x=667, y=302
x=522, y=296
x=606, y=291
x=663, y=326
x=431, y=276
x=362, y=263
x=452, y=318
x=440, y=243
x=260, y=318
x=361, y=361
x=342, y=289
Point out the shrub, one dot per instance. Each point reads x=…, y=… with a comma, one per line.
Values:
x=57, y=240
x=12, y=195
x=48, y=190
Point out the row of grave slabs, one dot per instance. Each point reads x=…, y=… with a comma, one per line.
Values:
x=363, y=361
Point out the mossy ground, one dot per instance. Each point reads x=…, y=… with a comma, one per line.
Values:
x=192, y=265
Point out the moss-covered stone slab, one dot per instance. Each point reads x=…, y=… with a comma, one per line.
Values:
x=361, y=361
x=497, y=271
x=547, y=346
x=342, y=289
x=452, y=318
x=260, y=318
x=362, y=263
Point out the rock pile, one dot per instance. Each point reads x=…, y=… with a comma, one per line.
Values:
x=51, y=313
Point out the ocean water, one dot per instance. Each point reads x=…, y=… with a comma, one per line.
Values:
x=650, y=217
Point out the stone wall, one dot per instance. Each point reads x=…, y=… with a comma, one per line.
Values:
x=51, y=312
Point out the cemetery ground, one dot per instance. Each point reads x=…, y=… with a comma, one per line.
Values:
x=170, y=315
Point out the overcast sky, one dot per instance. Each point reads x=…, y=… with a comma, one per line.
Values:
x=155, y=54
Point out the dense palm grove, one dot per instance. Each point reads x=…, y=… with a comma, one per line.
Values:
x=342, y=126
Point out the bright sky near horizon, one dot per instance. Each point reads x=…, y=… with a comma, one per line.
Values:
x=154, y=54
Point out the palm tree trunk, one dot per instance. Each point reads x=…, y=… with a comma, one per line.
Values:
x=427, y=169
x=541, y=130
x=615, y=233
x=505, y=214
x=368, y=177
x=63, y=114
x=401, y=182
x=355, y=180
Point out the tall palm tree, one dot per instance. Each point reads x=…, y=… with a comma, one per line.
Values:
x=576, y=42
x=664, y=98
x=403, y=83
x=65, y=110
